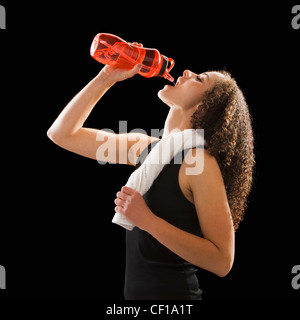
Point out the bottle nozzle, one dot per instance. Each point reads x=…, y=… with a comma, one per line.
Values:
x=169, y=77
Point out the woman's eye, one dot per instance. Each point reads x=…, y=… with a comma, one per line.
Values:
x=199, y=78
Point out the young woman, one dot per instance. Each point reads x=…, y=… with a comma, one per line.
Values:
x=183, y=220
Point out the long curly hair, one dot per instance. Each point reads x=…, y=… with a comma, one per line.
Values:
x=224, y=115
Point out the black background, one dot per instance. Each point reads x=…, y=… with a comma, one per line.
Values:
x=56, y=235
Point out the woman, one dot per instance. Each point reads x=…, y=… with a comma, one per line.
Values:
x=183, y=220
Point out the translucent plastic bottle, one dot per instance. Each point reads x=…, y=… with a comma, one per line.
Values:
x=112, y=50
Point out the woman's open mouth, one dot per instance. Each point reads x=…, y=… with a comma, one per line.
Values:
x=178, y=82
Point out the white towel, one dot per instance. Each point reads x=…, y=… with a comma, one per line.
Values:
x=163, y=152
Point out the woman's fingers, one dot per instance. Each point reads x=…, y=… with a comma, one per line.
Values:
x=121, y=198
x=128, y=191
x=124, y=196
x=120, y=202
x=136, y=44
x=121, y=195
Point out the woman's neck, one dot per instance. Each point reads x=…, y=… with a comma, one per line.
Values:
x=178, y=119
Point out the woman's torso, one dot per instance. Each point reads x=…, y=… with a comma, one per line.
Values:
x=152, y=270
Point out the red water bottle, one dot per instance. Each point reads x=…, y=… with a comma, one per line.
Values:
x=110, y=49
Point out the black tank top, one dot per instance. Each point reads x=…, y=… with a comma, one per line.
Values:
x=153, y=272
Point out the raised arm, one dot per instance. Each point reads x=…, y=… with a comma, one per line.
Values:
x=68, y=132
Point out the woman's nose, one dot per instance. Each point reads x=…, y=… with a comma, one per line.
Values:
x=186, y=73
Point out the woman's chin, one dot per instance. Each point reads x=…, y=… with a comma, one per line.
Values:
x=163, y=94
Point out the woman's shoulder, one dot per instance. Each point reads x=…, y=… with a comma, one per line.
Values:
x=199, y=161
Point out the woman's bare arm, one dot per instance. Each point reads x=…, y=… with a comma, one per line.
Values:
x=215, y=251
x=68, y=132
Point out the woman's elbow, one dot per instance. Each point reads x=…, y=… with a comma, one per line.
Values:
x=50, y=133
x=56, y=136
x=224, y=267
x=53, y=134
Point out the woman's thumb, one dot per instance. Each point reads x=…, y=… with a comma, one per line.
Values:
x=137, y=68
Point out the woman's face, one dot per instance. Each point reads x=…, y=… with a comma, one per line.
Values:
x=189, y=89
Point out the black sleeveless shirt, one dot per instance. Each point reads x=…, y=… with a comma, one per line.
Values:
x=153, y=272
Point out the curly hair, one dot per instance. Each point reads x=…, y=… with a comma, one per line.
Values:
x=227, y=124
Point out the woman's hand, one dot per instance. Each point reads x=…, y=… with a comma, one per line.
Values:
x=116, y=74
x=132, y=205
